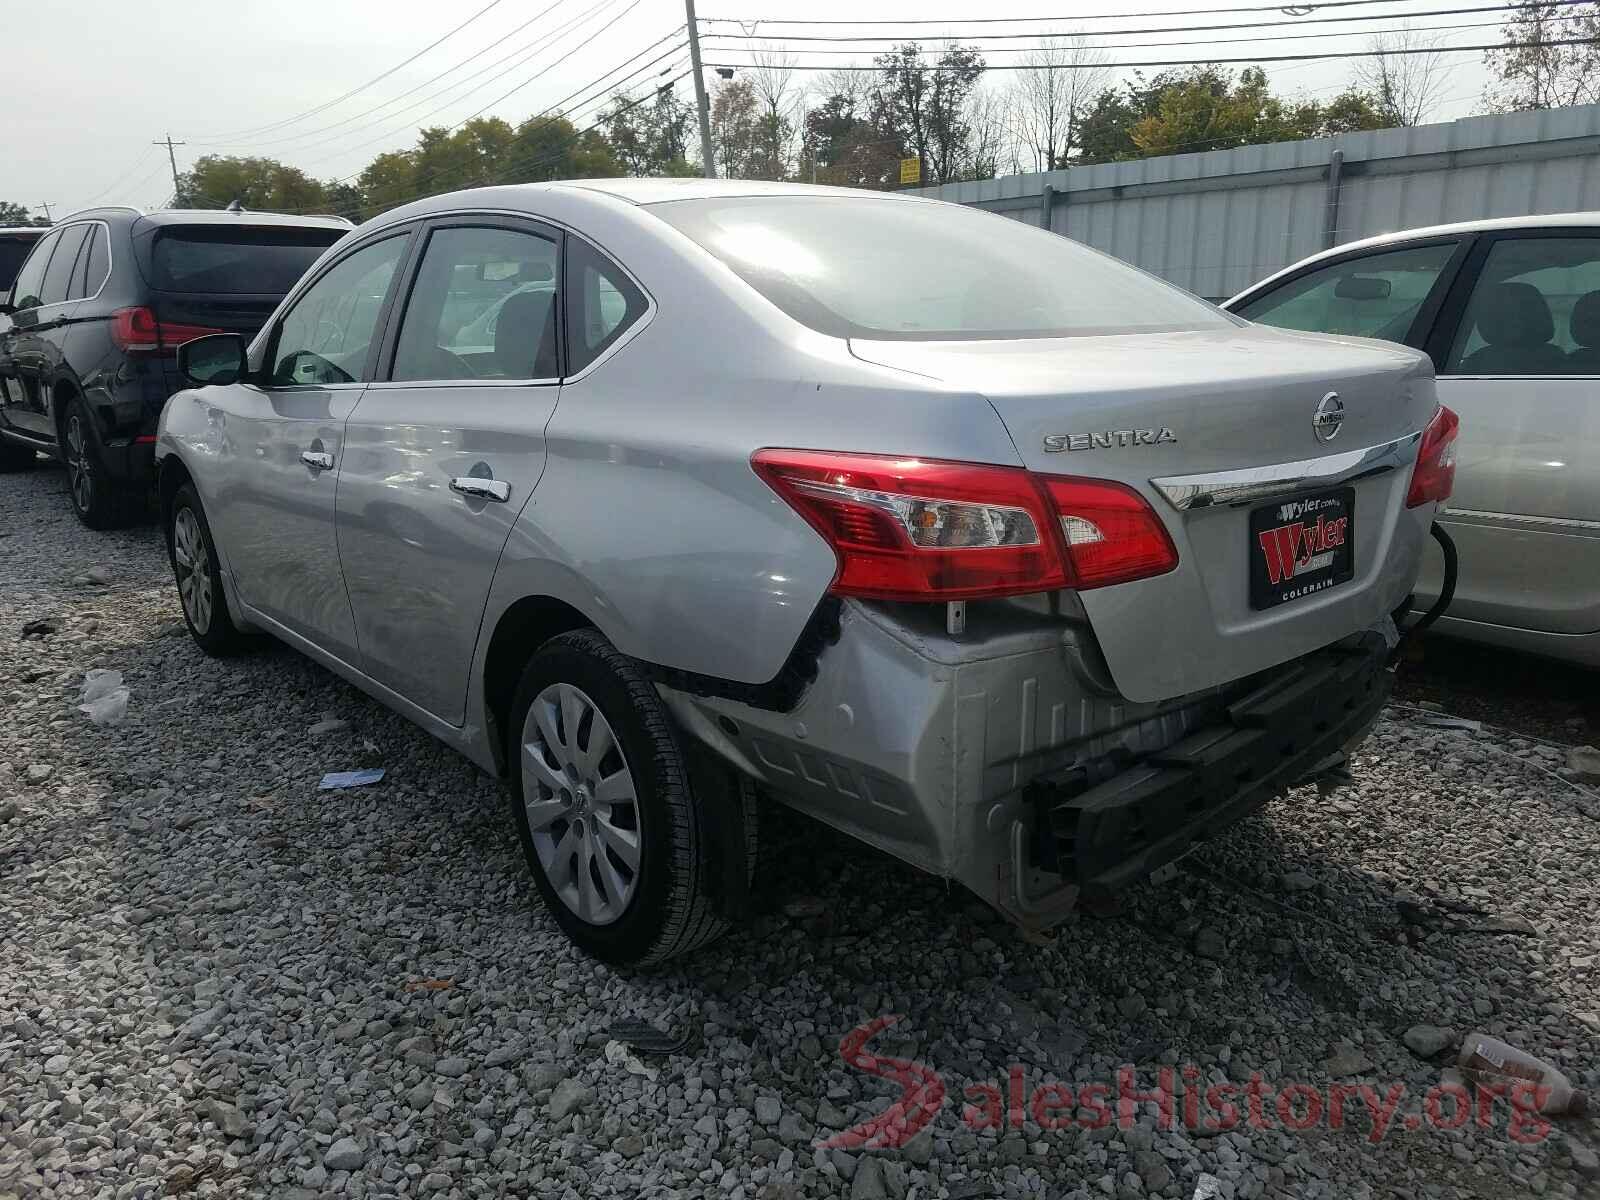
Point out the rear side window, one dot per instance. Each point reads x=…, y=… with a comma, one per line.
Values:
x=94, y=264
x=1376, y=296
x=235, y=261
x=602, y=302
x=483, y=307
x=25, y=294
x=1535, y=310
x=58, y=275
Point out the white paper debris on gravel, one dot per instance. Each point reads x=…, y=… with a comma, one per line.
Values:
x=104, y=699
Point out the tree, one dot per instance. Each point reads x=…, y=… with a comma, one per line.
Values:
x=1050, y=94
x=553, y=148
x=927, y=106
x=1350, y=111
x=344, y=200
x=844, y=144
x=13, y=215
x=772, y=81
x=1532, y=73
x=1403, y=86
x=388, y=180
x=216, y=181
x=650, y=137
x=736, y=129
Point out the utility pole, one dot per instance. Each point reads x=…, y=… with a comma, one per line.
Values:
x=173, y=159
x=47, y=216
x=700, y=91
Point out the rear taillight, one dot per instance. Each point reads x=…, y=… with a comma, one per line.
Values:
x=1434, y=475
x=140, y=329
x=928, y=529
x=1112, y=534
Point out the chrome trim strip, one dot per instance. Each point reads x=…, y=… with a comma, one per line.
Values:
x=1216, y=489
x=1519, y=518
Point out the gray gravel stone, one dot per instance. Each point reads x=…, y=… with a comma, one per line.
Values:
x=1428, y=1040
x=570, y=1096
x=344, y=1155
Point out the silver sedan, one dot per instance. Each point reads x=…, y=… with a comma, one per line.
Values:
x=658, y=497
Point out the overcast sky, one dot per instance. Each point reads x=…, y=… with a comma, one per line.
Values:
x=92, y=83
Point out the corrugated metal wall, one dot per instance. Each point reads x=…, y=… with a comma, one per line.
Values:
x=1215, y=223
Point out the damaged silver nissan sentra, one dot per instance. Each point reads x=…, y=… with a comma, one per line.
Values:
x=658, y=496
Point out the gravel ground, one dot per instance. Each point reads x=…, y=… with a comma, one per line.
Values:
x=216, y=981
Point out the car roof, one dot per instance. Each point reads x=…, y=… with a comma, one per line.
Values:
x=660, y=190
x=24, y=230
x=1486, y=224
x=209, y=216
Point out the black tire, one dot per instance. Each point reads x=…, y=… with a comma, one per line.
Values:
x=189, y=537
x=95, y=499
x=672, y=909
x=17, y=458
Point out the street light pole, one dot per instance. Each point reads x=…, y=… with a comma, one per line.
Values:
x=700, y=91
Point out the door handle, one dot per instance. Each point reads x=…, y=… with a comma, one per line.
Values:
x=317, y=460
x=480, y=488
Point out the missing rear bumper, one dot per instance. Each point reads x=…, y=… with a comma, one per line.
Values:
x=1101, y=826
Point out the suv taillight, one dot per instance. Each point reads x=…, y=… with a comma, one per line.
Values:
x=929, y=529
x=140, y=329
x=1434, y=475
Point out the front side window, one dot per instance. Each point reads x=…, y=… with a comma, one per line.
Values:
x=909, y=270
x=326, y=335
x=483, y=307
x=58, y=274
x=25, y=292
x=1534, y=310
x=1375, y=296
x=602, y=302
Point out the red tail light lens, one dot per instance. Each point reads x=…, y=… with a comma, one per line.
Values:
x=929, y=530
x=140, y=329
x=1434, y=476
x=1112, y=534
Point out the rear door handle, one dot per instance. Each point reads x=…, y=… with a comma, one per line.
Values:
x=480, y=488
x=317, y=460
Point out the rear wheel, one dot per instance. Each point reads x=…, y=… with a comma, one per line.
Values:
x=612, y=831
x=199, y=578
x=96, y=500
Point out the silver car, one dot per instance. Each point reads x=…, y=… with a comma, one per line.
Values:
x=993, y=551
x=1509, y=312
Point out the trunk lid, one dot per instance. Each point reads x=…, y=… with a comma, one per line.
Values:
x=1145, y=408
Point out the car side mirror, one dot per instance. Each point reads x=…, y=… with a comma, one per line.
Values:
x=217, y=358
x=1362, y=287
x=6, y=307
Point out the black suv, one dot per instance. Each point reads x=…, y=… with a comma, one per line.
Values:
x=91, y=326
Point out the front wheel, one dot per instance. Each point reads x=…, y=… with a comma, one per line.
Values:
x=199, y=578
x=612, y=831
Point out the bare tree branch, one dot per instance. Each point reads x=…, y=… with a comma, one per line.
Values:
x=1404, y=87
x=1048, y=96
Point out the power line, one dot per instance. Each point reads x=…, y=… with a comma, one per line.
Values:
x=376, y=79
x=568, y=28
x=1436, y=12
x=1113, y=16
x=1206, y=62
x=144, y=157
x=1273, y=37
x=473, y=57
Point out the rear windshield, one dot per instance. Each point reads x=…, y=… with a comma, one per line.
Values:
x=881, y=268
x=257, y=262
x=12, y=252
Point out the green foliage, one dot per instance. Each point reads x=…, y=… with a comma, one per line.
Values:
x=1206, y=108
x=216, y=181
x=13, y=215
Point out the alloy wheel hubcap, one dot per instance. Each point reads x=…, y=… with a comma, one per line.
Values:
x=582, y=808
x=79, y=478
x=190, y=562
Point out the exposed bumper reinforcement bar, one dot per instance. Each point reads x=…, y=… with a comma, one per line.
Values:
x=1100, y=834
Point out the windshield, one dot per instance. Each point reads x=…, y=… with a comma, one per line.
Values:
x=877, y=268
x=236, y=261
